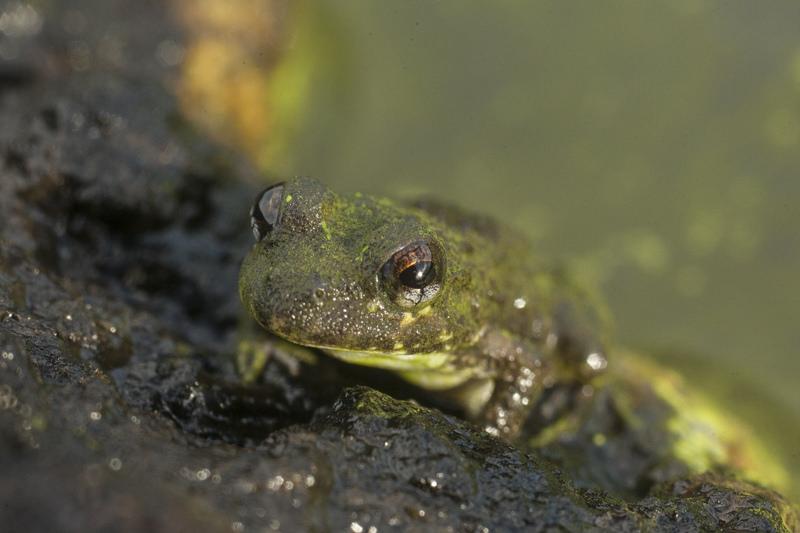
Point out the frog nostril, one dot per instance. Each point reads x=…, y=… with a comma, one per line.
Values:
x=266, y=210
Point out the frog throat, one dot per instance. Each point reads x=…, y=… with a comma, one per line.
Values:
x=432, y=371
x=399, y=361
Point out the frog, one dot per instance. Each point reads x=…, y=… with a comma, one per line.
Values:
x=452, y=301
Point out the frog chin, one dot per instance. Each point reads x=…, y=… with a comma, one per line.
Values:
x=399, y=361
x=433, y=370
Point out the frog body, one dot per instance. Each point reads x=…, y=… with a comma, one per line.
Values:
x=448, y=299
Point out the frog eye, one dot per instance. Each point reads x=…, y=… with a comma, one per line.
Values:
x=413, y=274
x=265, y=211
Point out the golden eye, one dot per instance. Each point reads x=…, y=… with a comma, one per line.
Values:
x=413, y=274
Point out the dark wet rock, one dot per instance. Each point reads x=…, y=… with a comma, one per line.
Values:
x=715, y=503
x=120, y=410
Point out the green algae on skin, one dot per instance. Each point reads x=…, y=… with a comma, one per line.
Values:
x=326, y=230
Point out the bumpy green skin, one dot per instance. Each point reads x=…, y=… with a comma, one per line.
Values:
x=504, y=325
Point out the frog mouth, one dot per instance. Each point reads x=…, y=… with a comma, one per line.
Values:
x=401, y=361
x=432, y=371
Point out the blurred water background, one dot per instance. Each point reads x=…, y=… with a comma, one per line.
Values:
x=655, y=145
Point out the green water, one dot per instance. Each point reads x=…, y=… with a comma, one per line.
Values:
x=656, y=144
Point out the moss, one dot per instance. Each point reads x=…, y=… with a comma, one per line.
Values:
x=326, y=230
x=705, y=436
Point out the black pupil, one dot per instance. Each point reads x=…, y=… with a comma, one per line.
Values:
x=417, y=275
x=265, y=211
x=413, y=274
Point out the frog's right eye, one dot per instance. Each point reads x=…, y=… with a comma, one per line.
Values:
x=413, y=274
x=265, y=211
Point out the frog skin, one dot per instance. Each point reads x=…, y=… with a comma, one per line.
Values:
x=450, y=300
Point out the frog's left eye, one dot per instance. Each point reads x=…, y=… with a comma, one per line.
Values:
x=265, y=211
x=413, y=274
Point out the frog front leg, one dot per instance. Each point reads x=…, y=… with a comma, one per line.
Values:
x=521, y=371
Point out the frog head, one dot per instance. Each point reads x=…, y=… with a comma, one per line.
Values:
x=363, y=278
